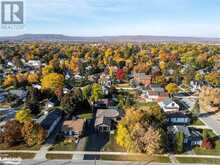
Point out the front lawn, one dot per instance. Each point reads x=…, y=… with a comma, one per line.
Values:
x=21, y=146
x=140, y=158
x=60, y=145
x=216, y=142
x=59, y=156
x=112, y=146
x=197, y=121
x=198, y=160
x=17, y=155
x=87, y=116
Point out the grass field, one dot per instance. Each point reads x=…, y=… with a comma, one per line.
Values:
x=112, y=146
x=141, y=158
x=17, y=155
x=198, y=160
x=59, y=156
x=21, y=146
x=60, y=145
x=197, y=121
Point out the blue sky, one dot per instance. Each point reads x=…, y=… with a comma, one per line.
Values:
x=199, y=18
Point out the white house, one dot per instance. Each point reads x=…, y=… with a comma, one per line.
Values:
x=169, y=106
x=34, y=63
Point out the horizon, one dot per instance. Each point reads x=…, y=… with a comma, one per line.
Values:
x=100, y=36
x=120, y=18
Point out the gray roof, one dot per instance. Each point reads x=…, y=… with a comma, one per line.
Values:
x=103, y=120
x=111, y=113
x=167, y=101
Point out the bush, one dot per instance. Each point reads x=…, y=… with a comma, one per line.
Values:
x=206, y=144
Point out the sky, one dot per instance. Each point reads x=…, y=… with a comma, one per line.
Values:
x=197, y=18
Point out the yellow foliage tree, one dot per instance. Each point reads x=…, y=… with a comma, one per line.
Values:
x=23, y=115
x=52, y=82
x=33, y=78
x=10, y=80
x=172, y=88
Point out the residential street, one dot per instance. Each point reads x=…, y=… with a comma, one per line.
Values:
x=84, y=162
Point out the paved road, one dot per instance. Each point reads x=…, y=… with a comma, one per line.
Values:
x=86, y=162
x=98, y=162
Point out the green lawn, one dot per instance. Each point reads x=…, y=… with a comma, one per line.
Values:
x=59, y=156
x=112, y=146
x=21, y=146
x=216, y=151
x=86, y=116
x=60, y=145
x=141, y=158
x=198, y=160
x=17, y=155
x=196, y=121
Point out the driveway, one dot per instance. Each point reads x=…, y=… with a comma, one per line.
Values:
x=41, y=155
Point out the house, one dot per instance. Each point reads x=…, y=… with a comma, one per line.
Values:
x=105, y=119
x=156, y=93
x=34, y=63
x=102, y=103
x=37, y=86
x=2, y=98
x=169, y=106
x=50, y=120
x=178, y=118
x=73, y=128
x=20, y=93
x=142, y=78
x=192, y=137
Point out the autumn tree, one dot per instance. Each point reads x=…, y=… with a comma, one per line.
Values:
x=12, y=132
x=96, y=92
x=10, y=80
x=213, y=78
x=74, y=64
x=33, y=133
x=71, y=99
x=120, y=74
x=32, y=78
x=136, y=133
x=172, y=88
x=23, y=115
x=52, y=82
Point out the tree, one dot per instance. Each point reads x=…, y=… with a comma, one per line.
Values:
x=96, y=93
x=213, y=78
x=120, y=74
x=12, y=132
x=74, y=64
x=198, y=76
x=160, y=79
x=179, y=142
x=52, y=82
x=32, y=78
x=23, y=115
x=86, y=91
x=172, y=88
x=33, y=133
x=10, y=80
x=71, y=99
x=136, y=133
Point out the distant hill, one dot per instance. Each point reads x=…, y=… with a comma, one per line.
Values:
x=128, y=38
